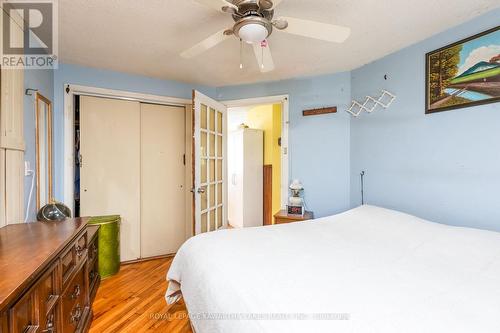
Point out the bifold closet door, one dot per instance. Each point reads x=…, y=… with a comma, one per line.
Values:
x=162, y=179
x=110, y=145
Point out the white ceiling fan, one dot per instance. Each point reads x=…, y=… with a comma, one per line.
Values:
x=254, y=23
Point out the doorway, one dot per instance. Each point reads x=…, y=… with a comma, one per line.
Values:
x=254, y=164
x=207, y=207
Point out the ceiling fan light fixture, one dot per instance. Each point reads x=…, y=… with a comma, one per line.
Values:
x=253, y=30
x=253, y=33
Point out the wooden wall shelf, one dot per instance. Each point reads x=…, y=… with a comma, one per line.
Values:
x=315, y=112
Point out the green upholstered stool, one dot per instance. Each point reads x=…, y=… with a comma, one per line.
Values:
x=109, y=244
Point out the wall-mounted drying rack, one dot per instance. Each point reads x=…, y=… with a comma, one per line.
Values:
x=385, y=100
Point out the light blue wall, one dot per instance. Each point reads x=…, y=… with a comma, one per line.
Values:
x=73, y=74
x=443, y=167
x=319, y=145
x=43, y=80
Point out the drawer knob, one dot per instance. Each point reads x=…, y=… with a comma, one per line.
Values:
x=76, y=314
x=79, y=251
x=76, y=292
x=50, y=325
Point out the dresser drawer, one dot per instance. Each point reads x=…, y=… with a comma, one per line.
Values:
x=81, y=248
x=74, y=301
x=93, y=273
x=93, y=249
x=94, y=280
x=68, y=265
x=72, y=258
x=49, y=290
x=23, y=315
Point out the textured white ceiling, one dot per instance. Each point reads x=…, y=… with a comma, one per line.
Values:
x=146, y=36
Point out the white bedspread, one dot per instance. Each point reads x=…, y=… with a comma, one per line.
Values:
x=391, y=272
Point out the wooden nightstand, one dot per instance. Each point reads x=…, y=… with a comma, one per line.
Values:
x=282, y=217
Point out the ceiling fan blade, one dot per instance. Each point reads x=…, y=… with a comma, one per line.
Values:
x=206, y=44
x=264, y=56
x=276, y=3
x=316, y=30
x=216, y=4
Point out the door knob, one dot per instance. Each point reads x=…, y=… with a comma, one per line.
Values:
x=201, y=190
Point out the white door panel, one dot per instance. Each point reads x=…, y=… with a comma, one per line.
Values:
x=162, y=179
x=110, y=172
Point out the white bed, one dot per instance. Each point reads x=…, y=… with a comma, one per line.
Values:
x=390, y=272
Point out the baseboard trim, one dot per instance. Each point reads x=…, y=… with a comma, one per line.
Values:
x=165, y=256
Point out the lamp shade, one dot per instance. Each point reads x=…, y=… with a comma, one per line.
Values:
x=296, y=185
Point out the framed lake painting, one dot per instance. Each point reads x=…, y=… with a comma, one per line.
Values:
x=465, y=73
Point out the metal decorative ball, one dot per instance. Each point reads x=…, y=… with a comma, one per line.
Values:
x=55, y=211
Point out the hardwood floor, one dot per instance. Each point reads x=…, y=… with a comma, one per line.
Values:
x=133, y=301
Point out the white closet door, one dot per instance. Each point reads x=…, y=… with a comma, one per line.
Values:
x=162, y=179
x=110, y=172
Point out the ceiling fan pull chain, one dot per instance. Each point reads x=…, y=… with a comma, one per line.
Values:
x=262, y=57
x=263, y=44
x=241, y=53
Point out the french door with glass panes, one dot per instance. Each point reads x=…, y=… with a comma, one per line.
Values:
x=209, y=167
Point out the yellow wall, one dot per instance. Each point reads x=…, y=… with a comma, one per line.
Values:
x=268, y=119
x=276, y=158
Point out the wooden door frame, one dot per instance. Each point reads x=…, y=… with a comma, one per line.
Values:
x=268, y=195
x=285, y=121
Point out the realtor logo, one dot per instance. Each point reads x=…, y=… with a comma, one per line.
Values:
x=29, y=34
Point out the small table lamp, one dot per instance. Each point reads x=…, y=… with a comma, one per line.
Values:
x=295, y=202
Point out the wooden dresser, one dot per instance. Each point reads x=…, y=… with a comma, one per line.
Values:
x=48, y=276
